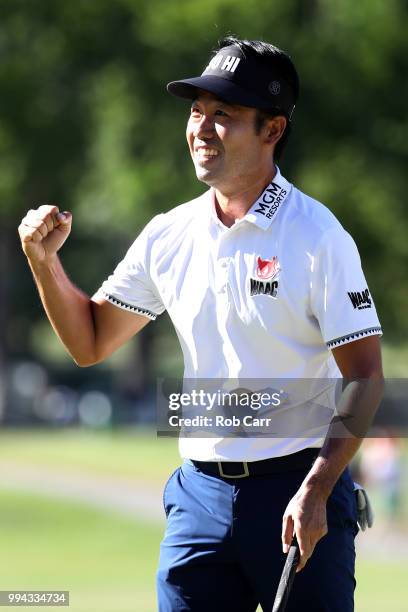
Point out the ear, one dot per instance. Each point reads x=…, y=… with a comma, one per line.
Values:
x=274, y=129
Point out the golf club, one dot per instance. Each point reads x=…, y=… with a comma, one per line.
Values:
x=287, y=577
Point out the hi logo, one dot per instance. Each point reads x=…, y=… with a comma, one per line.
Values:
x=360, y=299
x=221, y=62
x=270, y=200
x=266, y=282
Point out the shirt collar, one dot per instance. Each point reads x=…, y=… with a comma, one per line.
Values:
x=266, y=207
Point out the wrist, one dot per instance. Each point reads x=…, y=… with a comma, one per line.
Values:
x=48, y=264
x=317, y=486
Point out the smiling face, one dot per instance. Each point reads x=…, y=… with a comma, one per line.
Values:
x=227, y=152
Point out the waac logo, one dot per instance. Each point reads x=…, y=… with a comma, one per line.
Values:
x=267, y=268
x=360, y=299
x=265, y=282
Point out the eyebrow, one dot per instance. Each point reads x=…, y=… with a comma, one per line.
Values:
x=230, y=106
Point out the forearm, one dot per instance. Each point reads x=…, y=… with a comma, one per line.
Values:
x=68, y=309
x=334, y=457
x=306, y=514
x=356, y=410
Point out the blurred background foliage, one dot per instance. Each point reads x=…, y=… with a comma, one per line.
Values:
x=86, y=123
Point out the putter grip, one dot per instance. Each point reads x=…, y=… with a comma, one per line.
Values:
x=287, y=577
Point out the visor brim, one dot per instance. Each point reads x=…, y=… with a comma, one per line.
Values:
x=224, y=89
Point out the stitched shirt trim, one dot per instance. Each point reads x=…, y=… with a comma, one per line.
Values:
x=130, y=307
x=370, y=331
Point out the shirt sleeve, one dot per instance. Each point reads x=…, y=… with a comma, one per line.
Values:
x=340, y=298
x=130, y=286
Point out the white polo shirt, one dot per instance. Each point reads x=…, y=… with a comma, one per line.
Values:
x=264, y=299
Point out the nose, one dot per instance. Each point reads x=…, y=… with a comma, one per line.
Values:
x=204, y=128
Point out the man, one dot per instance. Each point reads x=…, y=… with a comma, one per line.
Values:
x=261, y=282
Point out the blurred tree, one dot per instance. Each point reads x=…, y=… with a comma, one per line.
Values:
x=86, y=122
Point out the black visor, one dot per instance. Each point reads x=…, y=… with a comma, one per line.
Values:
x=237, y=79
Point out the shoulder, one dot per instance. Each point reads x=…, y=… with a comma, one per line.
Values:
x=168, y=230
x=179, y=218
x=314, y=222
x=315, y=215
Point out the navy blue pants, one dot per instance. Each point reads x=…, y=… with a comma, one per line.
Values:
x=222, y=548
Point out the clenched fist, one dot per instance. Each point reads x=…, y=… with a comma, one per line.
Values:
x=43, y=232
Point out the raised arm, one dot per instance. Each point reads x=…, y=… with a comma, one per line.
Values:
x=90, y=329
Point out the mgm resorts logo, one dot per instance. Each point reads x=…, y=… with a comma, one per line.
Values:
x=270, y=200
x=360, y=299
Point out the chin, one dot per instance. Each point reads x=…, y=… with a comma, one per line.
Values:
x=205, y=176
x=211, y=182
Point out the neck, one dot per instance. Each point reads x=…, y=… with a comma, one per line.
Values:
x=234, y=204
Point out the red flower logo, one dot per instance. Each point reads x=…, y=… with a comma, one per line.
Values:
x=267, y=268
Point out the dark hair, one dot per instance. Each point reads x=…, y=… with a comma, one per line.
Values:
x=274, y=58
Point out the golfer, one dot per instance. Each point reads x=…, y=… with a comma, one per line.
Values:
x=261, y=282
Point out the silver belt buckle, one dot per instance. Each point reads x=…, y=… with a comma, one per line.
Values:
x=243, y=475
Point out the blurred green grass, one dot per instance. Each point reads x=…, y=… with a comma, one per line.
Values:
x=133, y=453
x=381, y=586
x=108, y=562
